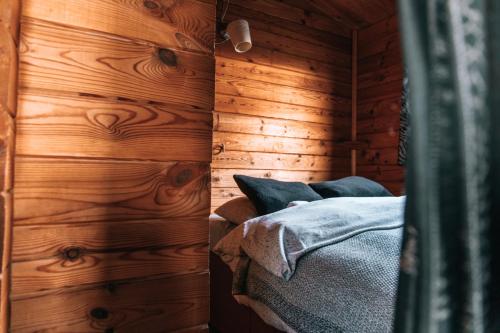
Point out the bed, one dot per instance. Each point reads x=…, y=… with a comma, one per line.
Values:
x=325, y=266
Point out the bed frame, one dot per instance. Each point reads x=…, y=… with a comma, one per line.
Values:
x=227, y=315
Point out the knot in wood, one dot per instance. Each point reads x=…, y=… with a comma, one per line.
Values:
x=168, y=57
x=99, y=313
x=72, y=253
x=149, y=4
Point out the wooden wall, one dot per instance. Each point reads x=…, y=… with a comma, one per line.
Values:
x=380, y=72
x=113, y=166
x=9, y=39
x=283, y=109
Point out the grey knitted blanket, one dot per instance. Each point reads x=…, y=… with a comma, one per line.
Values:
x=346, y=278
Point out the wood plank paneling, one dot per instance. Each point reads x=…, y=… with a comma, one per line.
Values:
x=379, y=104
x=273, y=109
x=44, y=241
x=112, y=175
x=70, y=60
x=283, y=109
x=221, y=178
x=180, y=24
x=77, y=268
x=238, y=86
x=272, y=161
x=9, y=28
x=65, y=191
x=84, y=127
x=236, y=123
x=160, y=305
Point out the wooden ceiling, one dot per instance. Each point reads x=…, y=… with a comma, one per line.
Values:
x=354, y=14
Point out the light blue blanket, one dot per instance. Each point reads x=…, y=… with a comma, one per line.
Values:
x=276, y=241
x=325, y=266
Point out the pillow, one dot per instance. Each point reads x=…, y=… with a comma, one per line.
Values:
x=350, y=187
x=296, y=203
x=269, y=195
x=237, y=211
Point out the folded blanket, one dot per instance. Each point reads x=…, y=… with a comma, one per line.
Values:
x=276, y=241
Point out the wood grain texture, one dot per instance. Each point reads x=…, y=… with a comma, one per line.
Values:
x=379, y=104
x=272, y=161
x=78, y=268
x=273, y=109
x=70, y=60
x=228, y=122
x=224, y=177
x=357, y=14
x=181, y=24
x=9, y=28
x=236, y=86
x=161, y=305
x=283, y=109
x=112, y=176
x=45, y=241
x=273, y=144
x=56, y=125
x=64, y=191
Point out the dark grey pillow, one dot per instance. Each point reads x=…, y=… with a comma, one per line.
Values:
x=350, y=187
x=269, y=195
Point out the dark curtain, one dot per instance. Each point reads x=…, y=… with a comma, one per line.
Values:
x=404, y=121
x=449, y=279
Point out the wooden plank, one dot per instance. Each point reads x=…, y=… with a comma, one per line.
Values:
x=339, y=39
x=383, y=44
x=388, y=123
x=143, y=306
x=9, y=18
x=279, y=59
x=382, y=108
x=378, y=30
x=222, y=195
x=380, y=60
x=179, y=24
x=381, y=76
x=272, y=161
x=339, y=58
x=273, y=109
x=383, y=173
x=383, y=91
x=43, y=241
x=224, y=177
x=8, y=69
x=66, y=190
x=236, y=123
x=84, y=268
x=235, y=68
x=380, y=140
x=55, y=125
x=356, y=14
x=69, y=60
x=378, y=156
x=7, y=145
x=354, y=102
x=235, y=86
x=272, y=144
x=9, y=27
x=294, y=14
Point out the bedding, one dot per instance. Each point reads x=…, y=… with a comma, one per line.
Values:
x=237, y=210
x=353, y=186
x=270, y=195
x=346, y=278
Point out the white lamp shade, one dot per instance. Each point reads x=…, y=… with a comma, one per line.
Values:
x=239, y=32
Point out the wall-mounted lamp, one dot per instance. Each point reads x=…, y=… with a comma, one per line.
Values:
x=237, y=31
